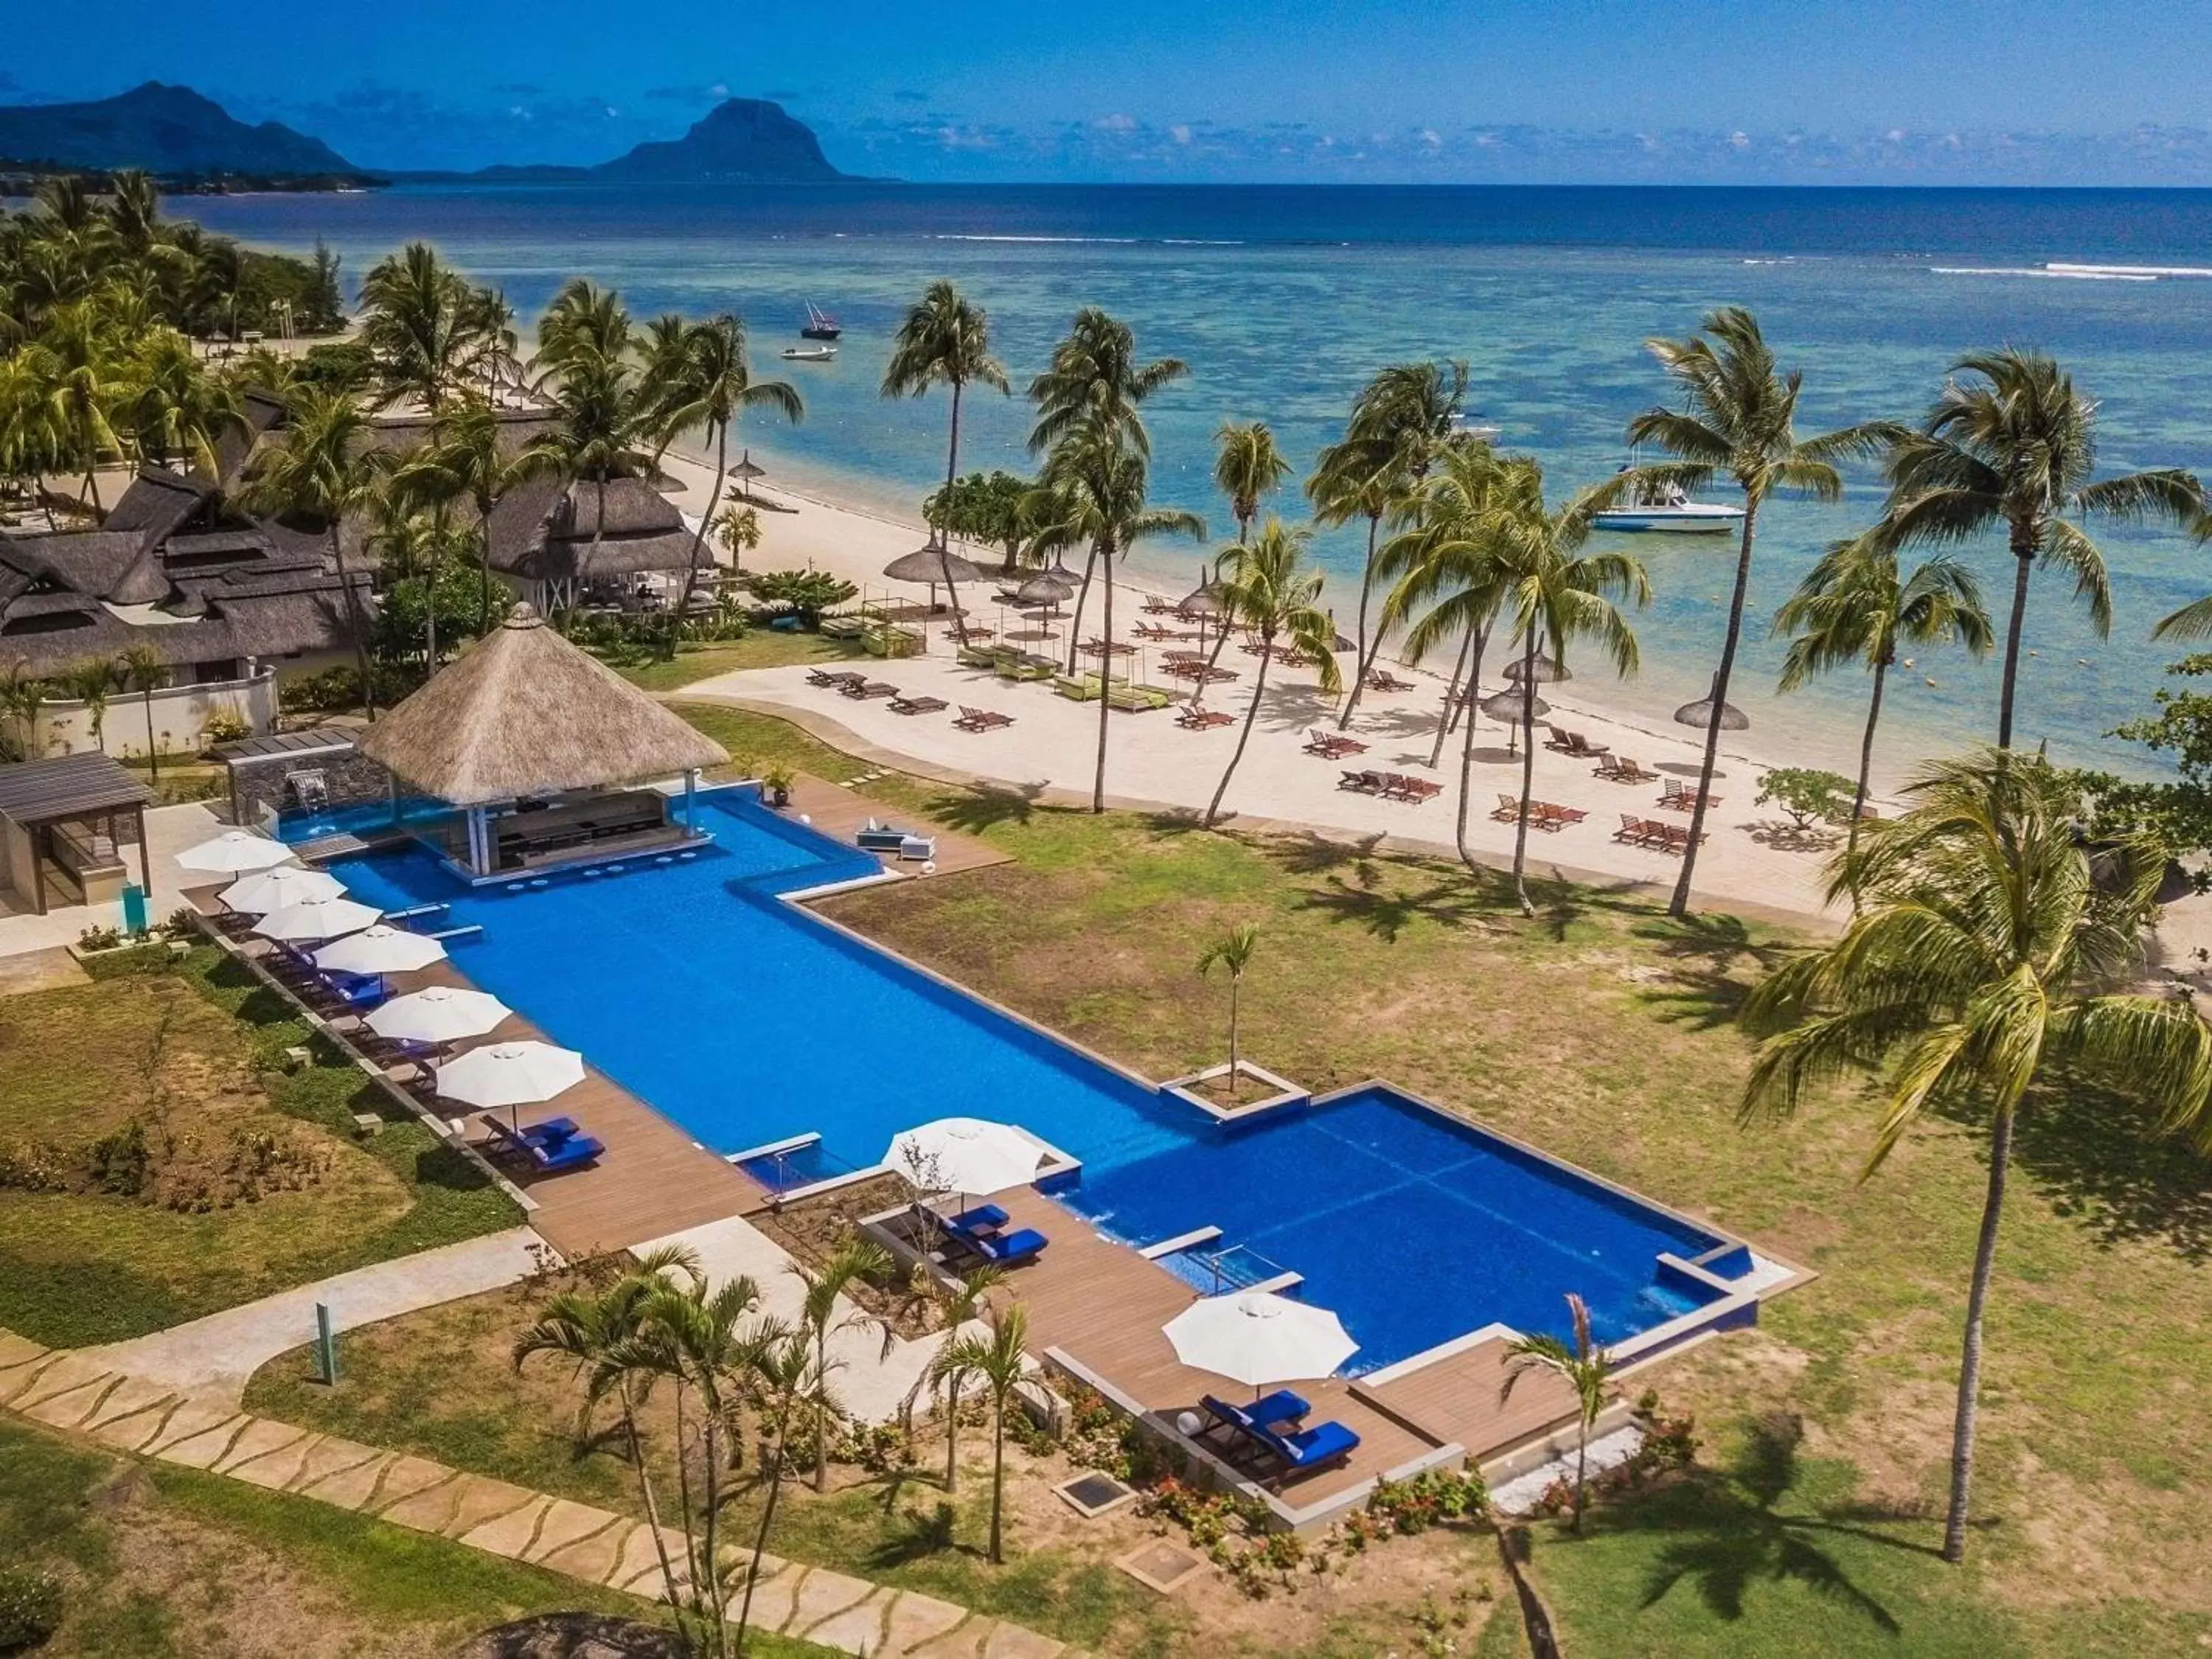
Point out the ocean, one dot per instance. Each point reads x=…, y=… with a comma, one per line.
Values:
x=1285, y=300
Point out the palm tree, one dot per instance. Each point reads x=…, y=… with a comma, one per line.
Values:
x=464, y=446
x=1448, y=586
x=89, y=680
x=135, y=211
x=948, y=1371
x=1851, y=607
x=785, y=1365
x=706, y=382
x=1248, y=468
x=1554, y=593
x=1987, y=962
x=1740, y=419
x=824, y=1313
x=1401, y=421
x=999, y=1361
x=321, y=469
x=1584, y=1366
x=598, y=1336
x=2014, y=446
x=421, y=323
x=22, y=697
x=737, y=528
x=1233, y=952
x=143, y=670
x=175, y=407
x=945, y=340
x=604, y=420
x=1269, y=589
x=1096, y=476
x=1096, y=382
x=81, y=349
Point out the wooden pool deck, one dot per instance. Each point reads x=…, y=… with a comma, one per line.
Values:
x=1102, y=1304
x=840, y=813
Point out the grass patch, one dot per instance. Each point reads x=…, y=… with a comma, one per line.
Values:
x=762, y=648
x=186, y=1055
x=162, y=1562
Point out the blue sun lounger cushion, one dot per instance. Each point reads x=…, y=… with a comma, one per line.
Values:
x=1278, y=1408
x=565, y=1154
x=1311, y=1449
x=1002, y=1250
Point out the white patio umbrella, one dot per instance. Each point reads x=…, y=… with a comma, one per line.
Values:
x=379, y=949
x=965, y=1155
x=234, y=853
x=1257, y=1338
x=265, y=890
x=438, y=1013
x=313, y=919
x=510, y=1074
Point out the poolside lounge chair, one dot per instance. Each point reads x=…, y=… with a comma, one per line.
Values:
x=918, y=705
x=1278, y=1411
x=1640, y=832
x=548, y=1155
x=1001, y=1249
x=1300, y=1450
x=983, y=1219
x=982, y=719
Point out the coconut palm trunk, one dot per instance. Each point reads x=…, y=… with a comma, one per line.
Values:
x=1866, y=763
x=1678, y=905
x=1082, y=599
x=2026, y=539
x=1451, y=702
x=699, y=537
x=353, y=620
x=1528, y=772
x=1466, y=783
x=1105, y=668
x=999, y=1480
x=1363, y=654
x=1969, y=1358
x=1213, y=811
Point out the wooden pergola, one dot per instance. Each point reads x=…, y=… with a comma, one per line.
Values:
x=89, y=790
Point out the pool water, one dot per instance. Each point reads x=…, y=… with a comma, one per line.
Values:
x=747, y=1021
x=297, y=823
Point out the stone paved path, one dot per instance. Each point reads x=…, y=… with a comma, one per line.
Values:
x=83, y=1391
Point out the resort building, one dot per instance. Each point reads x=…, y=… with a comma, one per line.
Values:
x=556, y=547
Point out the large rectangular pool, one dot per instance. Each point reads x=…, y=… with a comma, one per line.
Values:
x=746, y=1020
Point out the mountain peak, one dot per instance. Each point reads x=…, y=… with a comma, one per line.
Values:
x=740, y=138
x=165, y=129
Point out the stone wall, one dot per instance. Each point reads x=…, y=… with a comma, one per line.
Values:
x=257, y=790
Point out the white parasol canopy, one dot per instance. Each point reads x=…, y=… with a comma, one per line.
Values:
x=235, y=851
x=510, y=1074
x=265, y=890
x=966, y=1154
x=1258, y=1338
x=438, y=1013
x=311, y=919
x=379, y=949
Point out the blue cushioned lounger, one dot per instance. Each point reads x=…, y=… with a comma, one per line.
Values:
x=983, y=1219
x=1278, y=1408
x=1311, y=1449
x=1002, y=1250
x=565, y=1154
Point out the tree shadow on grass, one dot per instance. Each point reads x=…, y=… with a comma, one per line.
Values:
x=1386, y=910
x=2098, y=1157
x=919, y=1535
x=1713, y=938
x=985, y=807
x=1310, y=854
x=1729, y=1529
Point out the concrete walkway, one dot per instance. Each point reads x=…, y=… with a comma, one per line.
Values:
x=214, y=1357
x=86, y=1393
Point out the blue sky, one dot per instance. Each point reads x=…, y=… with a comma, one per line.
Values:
x=2055, y=91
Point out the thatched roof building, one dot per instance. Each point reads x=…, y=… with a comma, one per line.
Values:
x=524, y=712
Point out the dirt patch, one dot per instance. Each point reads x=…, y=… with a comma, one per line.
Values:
x=815, y=1229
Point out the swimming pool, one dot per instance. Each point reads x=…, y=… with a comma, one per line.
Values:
x=747, y=1021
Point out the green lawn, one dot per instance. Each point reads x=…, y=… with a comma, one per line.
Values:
x=1604, y=1033
x=191, y=1056
x=762, y=648
x=160, y=1562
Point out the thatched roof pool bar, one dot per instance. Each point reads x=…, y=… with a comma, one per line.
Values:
x=537, y=742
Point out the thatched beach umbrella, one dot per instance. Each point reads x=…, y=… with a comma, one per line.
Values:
x=1045, y=588
x=1700, y=713
x=746, y=471
x=525, y=712
x=1507, y=705
x=932, y=563
x=1548, y=671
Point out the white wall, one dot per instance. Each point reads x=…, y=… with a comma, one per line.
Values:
x=180, y=713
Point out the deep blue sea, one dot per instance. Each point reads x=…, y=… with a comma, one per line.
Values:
x=1284, y=299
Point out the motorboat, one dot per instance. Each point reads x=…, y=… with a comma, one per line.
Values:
x=810, y=354
x=819, y=325
x=1474, y=426
x=1667, y=509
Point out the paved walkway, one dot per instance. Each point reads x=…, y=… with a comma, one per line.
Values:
x=215, y=1356
x=83, y=1392
x=170, y=830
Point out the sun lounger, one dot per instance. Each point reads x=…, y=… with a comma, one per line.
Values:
x=1622, y=769
x=1001, y=1249
x=1640, y=832
x=1558, y=740
x=1548, y=817
x=859, y=690
x=1333, y=745
x=982, y=719
x=917, y=705
x=829, y=676
x=983, y=1219
x=1311, y=1448
x=1583, y=749
x=1398, y=787
x=1079, y=687
x=1369, y=783
x=1676, y=797
x=570, y=1150
x=1277, y=1411
x=1136, y=699
x=900, y=843
x=1509, y=808
x=1203, y=719
x=1379, y=679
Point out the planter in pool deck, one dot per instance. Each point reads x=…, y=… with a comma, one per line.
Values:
x=1283, y=1094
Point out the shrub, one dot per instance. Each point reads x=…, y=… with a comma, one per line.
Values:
x=30, y=1607
x=808, y=592
x=1805, y=793
x=224, y=725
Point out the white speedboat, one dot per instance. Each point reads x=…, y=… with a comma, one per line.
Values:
x=810, y=354
x=1666, y=509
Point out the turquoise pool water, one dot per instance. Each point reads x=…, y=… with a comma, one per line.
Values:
x=747, y=1021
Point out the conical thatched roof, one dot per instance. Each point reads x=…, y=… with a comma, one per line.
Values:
x=931, y=564
x=525, y=713
x=1700, y=713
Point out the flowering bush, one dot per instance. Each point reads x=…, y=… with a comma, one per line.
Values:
x=30, y=1607
x=1432, y=1497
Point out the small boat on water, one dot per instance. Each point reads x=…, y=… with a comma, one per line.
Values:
x=1474, y=426
x=810, y=354
x=820, y=325
x=1667, y=510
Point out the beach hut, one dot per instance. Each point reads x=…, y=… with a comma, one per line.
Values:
x=536, y=741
